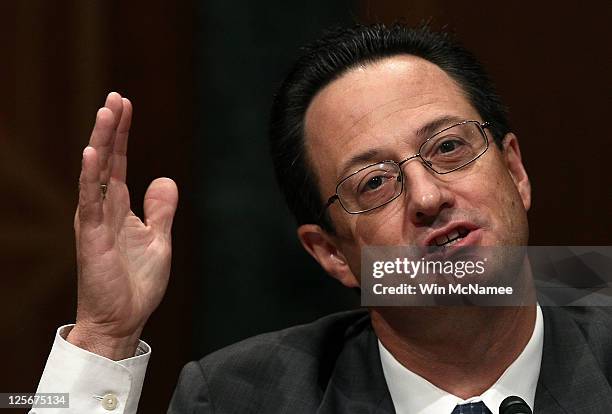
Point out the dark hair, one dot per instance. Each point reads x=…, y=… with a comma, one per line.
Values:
x=333, y=55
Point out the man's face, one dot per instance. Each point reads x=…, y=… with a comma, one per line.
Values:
x=383, y=108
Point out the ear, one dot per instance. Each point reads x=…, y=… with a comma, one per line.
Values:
x=514, y=163
x=323, y=248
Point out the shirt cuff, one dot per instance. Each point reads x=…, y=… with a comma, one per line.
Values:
x=95, y=384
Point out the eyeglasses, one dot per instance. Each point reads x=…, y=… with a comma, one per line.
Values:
x=377, y=184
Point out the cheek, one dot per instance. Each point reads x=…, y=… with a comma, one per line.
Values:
x=505, y=208
x=386, y=226
x=357, y=231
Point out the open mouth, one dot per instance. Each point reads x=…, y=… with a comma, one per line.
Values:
x=452, y=237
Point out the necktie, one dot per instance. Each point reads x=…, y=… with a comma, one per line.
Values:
x=472, y=408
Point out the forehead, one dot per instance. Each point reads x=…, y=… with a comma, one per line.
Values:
x=378, y=106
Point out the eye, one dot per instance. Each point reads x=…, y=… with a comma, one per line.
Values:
x=449, y=145
x=374, y=182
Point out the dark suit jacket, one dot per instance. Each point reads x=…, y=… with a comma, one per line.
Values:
x=333, y=366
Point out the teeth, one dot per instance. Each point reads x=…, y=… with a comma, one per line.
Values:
x=453, y=242
x=441, y=240
x=452, y=237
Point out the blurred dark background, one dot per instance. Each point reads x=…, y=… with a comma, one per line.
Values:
x=201, y=76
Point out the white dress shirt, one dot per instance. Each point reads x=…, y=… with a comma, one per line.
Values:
x=98, y=385
x=95, y=384
x=413, y=394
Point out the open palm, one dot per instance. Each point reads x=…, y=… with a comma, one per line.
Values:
x=123, y=262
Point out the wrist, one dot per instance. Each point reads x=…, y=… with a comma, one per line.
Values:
x=114, y=347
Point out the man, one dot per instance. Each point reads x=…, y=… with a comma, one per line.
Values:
x=360, y=101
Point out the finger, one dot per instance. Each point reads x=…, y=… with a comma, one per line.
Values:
x=102, y=138
x=90, y=196
x=160, y=203
x=119, y=155
x=114, y=102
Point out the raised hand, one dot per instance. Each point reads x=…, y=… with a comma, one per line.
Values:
x=123, y=263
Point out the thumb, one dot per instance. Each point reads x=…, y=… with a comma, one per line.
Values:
x=160, y=203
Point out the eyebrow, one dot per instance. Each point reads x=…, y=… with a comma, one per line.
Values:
x=373, y=154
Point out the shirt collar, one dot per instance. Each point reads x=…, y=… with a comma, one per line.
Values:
x=413, y=394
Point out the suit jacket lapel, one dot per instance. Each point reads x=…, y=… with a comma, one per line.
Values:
x=357, y=383
x=571, y=380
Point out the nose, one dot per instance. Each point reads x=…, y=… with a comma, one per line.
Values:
x=425, y=194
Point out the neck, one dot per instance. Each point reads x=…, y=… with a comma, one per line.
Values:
x=462, y=350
